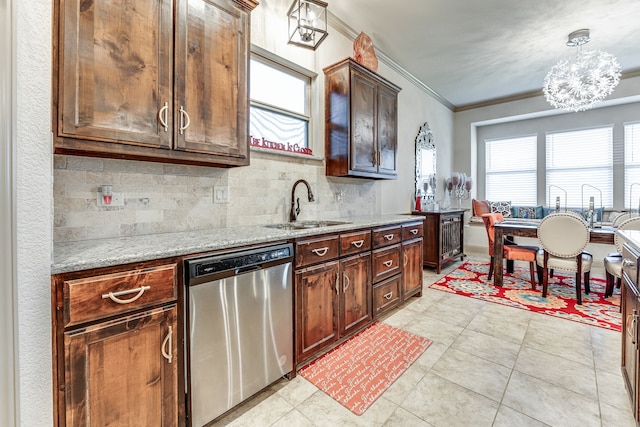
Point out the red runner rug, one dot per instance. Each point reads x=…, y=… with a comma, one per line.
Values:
x=358, y=371
x=470, y=279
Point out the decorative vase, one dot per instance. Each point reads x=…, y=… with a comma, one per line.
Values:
x=364, y=53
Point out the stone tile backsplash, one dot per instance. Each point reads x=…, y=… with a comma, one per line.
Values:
x=162, y=198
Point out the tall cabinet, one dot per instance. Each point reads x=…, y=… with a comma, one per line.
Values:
x=124, y=89
x=630, y=307
x=361, y=115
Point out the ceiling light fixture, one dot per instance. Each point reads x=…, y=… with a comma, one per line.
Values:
x=578, y=83
x=307, y=23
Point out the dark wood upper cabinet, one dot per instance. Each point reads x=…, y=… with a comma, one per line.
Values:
x=123, y=89
x=361, y=111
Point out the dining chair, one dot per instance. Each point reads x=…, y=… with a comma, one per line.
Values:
x=511, y=252
x=621, y=218
x=613, y=261
x=563, y=238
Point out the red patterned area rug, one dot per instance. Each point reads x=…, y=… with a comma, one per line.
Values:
x=358, y=371
x=470, y=279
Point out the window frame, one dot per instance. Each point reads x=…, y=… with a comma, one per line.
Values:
x=274, y=61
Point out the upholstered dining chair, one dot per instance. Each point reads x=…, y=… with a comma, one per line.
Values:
x=613, y=261
x=563, y=238
x=621, y=218
x=512, y=252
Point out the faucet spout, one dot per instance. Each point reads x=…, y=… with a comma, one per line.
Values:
x=295, y=210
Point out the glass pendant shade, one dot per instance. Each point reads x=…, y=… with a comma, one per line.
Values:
x=578, y=83
x=307, y=23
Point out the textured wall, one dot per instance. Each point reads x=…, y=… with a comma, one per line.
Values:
x=161, y=198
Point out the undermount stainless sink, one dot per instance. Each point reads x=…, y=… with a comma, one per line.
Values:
x=302, y=225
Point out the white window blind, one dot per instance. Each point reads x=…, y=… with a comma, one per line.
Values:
x=280, y=104
x=510, y=170
x=632, y=165
x=577, y=161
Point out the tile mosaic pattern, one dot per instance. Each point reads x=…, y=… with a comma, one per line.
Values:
x=489, y=365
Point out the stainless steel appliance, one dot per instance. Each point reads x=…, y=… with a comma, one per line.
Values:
x=239, y=326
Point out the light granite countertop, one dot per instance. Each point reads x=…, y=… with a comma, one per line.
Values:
x=87, y=254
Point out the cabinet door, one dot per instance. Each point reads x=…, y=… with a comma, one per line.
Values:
x=412, y=268
x=123, y=372
x=316, y=308
x=355, y=293
x=115, y=71
x=630, y=356
x=211, y=100
x=364, y=155
x=387, y=131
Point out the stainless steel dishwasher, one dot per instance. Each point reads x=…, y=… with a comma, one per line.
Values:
x=239, y=327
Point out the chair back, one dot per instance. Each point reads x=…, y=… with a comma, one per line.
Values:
x=563, y=235
x=490, y=220
x=621, y=218
x=629, y=224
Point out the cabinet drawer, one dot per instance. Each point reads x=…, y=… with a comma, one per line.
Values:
x=106, y=295
x=386, y=236
x=386, y=262
x=311, y=251
x=412, y=231
x=386, y=295
x=354, y=243
x=631, y=258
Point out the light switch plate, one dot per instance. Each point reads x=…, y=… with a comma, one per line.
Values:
x=220, y=194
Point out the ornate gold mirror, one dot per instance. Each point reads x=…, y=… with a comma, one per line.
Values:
x=425, y=164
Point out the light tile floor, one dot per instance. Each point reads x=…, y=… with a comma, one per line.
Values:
x=489, y=365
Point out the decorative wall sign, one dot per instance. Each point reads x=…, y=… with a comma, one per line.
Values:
x=279, y=146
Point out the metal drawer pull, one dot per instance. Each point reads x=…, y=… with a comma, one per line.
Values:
x=168, y=339
x=387, y=296
x=345, y=285
x=337, y=287
x=388, y=236
x=627, y=263
x=183, y=115
x=320, y=251
x=358, y=243
x=114, y=295
x=388, y=263
x=406, y=259
x=414, y=231
x=163, y=115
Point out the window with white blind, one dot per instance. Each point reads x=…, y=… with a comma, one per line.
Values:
x=280, y=105
x=632, y=165
x=580, y=162
x=510, y=170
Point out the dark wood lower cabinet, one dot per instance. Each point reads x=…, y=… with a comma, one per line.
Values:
x=443, y=237
x=630, y=306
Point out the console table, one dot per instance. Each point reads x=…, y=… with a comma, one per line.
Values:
x=443, y=237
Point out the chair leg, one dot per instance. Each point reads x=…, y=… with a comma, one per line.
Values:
x=545, y=278
x=578, y=281
x=587, y=285
x=540, y=273
x=551, y=273
x=608, y=290
x=618, y=283
x=490, y=268
x=533, y=276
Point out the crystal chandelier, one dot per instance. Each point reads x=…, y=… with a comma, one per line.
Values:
x=577, y=83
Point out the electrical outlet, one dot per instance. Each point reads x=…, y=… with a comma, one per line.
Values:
x=220, y=194
x=117, y=200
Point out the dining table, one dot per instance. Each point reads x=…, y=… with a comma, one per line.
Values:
x=602, y=235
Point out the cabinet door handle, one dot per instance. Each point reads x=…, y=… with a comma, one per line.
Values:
x=320, y=251
x=337, y=280
x=406, y=259
x=358, y=243
x=345, y=279
x=114, y=295
x=163, y=116
x=414, y=231
x=184, y=123
x=168, y=340
x=388, y=263
x=627, y=263
x=388, y=295
x=388, y=236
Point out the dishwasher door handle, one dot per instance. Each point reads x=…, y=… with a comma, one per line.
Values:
x=241, y=270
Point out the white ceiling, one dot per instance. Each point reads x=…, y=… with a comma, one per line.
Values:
x=472, y=51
